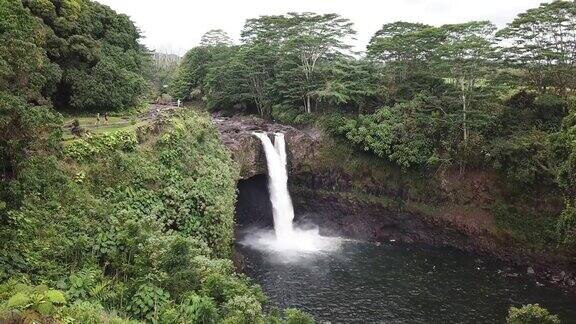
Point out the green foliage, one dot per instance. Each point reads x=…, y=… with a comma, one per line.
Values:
x=34, y=301
x=566, y=226
x=83, y=149
x=138, y=223
x=40, y=304
x=296, y=316
x=286, y=115
x=107, y=86
x=281, y=61
x=90, y=284
x=531, y=314
x=243, y=310
x=147, y=302
x=27, y=129
x=533, y=229
x=25, y=69
x=198, y=309
x=405, y=47
x=215, y=37
x=90, y=313
x=402, y=134
x=542, y=43
x=522, y=159
x=77, y=53
x=191, y=72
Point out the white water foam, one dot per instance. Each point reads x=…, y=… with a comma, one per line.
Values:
x=286, y=237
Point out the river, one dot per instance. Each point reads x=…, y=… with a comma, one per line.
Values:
x=399, y=283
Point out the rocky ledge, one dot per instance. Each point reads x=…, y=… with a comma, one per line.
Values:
x=237, y=134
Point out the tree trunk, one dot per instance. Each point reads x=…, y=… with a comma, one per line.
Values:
x=464, y=115
x=308, y=105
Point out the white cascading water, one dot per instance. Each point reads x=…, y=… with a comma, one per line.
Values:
x=278, y=185
x=286, y=237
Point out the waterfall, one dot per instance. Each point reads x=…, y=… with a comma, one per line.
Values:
x=290, y=241
x=282, y=209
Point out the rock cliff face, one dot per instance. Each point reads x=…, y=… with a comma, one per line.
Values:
x=246, y=149
x=353, y=197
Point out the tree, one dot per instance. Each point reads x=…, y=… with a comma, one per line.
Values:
x=467, y=60
x=97, y=51
x=260, y=56
x=230, y=81
x=312, y=38
x=25, y=69
x=191, y=73
x=403, y=133
x=26, y=76
x=406, y=54
x=542, y=42
x=405, y=47
x=348, y=84
x=215, y=37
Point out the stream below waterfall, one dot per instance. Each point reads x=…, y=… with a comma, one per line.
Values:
x=365, y=283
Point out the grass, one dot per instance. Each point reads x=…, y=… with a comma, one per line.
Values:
x=89, y=124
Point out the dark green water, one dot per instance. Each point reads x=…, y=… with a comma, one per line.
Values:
x=364, y=283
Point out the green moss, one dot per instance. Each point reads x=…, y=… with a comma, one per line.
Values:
x=524, y=225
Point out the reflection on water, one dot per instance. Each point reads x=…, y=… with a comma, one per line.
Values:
x=362, y=283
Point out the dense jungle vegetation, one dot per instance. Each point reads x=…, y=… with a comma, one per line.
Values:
x=425, y=98
x=137, y=224
x=113, y=227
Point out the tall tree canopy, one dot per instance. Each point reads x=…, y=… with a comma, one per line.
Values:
x=215, y=37
x=542, y=42
x=467, y=59
x=408, y=45
x=97, y=51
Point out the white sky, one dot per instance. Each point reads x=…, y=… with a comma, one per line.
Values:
x=175, y=26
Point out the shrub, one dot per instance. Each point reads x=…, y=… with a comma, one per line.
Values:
x=393, y=133
x=84, y=149
x=89, y=284
x=90, y=313
x=531, y=314
x=566, y=226
x=33, y=302
x=296, y=316
x=243, y=309
x=288, y=115
x=198, y=309
x=148, y=302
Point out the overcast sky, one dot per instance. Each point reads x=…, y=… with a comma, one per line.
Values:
x=177, y=25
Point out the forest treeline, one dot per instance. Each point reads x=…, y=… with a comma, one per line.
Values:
x=465, y=96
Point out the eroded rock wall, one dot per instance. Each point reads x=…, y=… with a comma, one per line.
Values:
x=237, y=134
